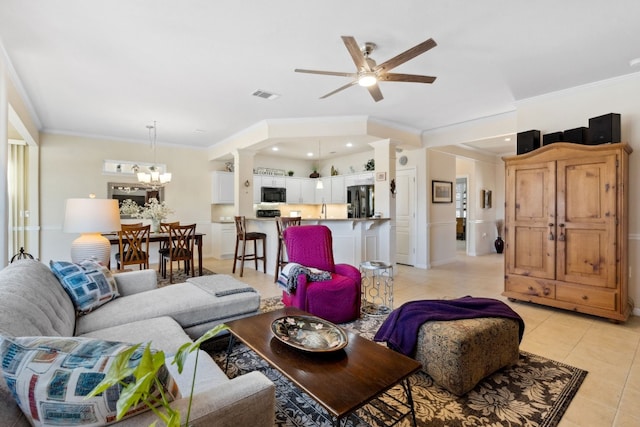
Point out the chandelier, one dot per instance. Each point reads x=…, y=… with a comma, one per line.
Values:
x=154, y=177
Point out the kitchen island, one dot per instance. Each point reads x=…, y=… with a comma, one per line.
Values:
x=354, y=239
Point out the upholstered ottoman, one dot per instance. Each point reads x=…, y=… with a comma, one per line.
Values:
x=457, y=354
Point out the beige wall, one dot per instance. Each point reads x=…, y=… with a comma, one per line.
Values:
x=72, y=167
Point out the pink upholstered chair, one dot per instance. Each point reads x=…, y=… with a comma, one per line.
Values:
x=336, y=300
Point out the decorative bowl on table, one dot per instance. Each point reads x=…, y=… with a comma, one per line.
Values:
x=309, y=333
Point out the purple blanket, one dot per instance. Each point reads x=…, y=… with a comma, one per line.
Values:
x=400, y=330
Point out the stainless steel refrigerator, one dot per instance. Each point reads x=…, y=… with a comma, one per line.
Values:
x=361, y=201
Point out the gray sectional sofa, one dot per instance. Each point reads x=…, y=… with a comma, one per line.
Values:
x=33, y=303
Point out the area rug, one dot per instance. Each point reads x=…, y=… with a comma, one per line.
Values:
x=535, y=392
x=179, y=276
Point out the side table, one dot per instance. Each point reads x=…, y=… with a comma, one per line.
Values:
x=377, y=287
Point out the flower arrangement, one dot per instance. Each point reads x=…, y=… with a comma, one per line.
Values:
x=129, y=207
x=499, y=225
x=152, y=210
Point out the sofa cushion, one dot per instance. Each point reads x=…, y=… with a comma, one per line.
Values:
x=89, y=284
x=163, y=333
x=50, y=378
x=32, y=301
x=189, y=304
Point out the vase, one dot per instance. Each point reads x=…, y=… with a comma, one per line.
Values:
x=155, y=226
x=499, y=244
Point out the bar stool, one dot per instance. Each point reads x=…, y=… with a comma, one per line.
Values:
x=281, y=224
x=242, y=234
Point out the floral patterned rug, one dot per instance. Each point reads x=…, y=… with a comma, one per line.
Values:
x=535, y=392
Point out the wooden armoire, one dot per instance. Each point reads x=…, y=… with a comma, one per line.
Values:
x=566, y=215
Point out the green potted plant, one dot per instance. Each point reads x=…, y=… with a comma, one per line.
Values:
x=290, y=173
x=146, y=382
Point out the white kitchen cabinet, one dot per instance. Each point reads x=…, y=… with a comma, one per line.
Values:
x=338, y=190
x=224, y=240
x=294, y=190
x=222, y=188
x=362, y=178
x=308, y=190
x=273, y=181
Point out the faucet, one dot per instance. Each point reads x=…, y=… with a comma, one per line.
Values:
x=323, y=210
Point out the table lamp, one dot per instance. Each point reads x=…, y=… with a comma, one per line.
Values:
x=90, y=217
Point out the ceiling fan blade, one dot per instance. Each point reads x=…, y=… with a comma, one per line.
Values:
x=348, y=85
x=406, y=55
x=375, y=92
x=356, y=53
x=326, y=73
x=411, y=78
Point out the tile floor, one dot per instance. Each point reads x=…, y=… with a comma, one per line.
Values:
x=609, y=396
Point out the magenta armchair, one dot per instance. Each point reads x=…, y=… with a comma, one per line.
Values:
x=336, y=300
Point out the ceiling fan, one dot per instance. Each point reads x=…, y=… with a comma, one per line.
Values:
x=369, y=74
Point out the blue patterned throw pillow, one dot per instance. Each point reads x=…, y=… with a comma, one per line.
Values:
x=89, y=284
x=49, y=378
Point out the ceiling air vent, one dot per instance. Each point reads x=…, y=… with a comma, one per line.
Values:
x=264, y=94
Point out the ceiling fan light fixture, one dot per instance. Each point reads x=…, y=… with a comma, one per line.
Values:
x=367, y=79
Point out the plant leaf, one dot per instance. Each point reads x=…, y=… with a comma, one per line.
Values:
x=181, y=355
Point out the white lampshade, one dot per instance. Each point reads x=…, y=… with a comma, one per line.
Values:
x=90, y=217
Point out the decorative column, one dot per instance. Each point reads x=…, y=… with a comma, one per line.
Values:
x=243, y=181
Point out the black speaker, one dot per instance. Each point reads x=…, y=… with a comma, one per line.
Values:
x=550, y=138
x=528, y=141
x=604, y=129
x=577, y=136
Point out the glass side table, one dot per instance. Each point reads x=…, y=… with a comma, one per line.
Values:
x=377, y=287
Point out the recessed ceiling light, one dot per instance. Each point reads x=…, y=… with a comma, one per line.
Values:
x=507, y=139
x=349, y=144
x=309, y=154
x=274, y=148
x=200, y=130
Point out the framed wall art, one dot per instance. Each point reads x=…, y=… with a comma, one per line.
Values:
x=441, y=191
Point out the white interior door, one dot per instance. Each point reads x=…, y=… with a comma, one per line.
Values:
x=405, y=216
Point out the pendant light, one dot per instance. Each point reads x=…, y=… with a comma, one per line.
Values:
x=154, y=178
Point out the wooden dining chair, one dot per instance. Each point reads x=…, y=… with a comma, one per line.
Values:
x=165, y=244
x=133, y=242
x=182, y=239
x=281, y=224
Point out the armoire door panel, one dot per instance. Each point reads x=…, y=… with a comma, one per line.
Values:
x=533, y=193
x=533, y=251
x=587, y=190
x=584, y=258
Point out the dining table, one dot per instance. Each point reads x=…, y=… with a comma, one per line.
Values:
x=163, y=237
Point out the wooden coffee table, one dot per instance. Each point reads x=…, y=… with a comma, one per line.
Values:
x=341, y=381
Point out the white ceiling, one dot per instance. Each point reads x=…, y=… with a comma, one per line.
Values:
x=109, y=68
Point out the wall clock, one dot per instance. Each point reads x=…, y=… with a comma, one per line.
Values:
x=402, y=160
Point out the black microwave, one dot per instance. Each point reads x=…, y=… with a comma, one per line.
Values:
x=273, y=194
